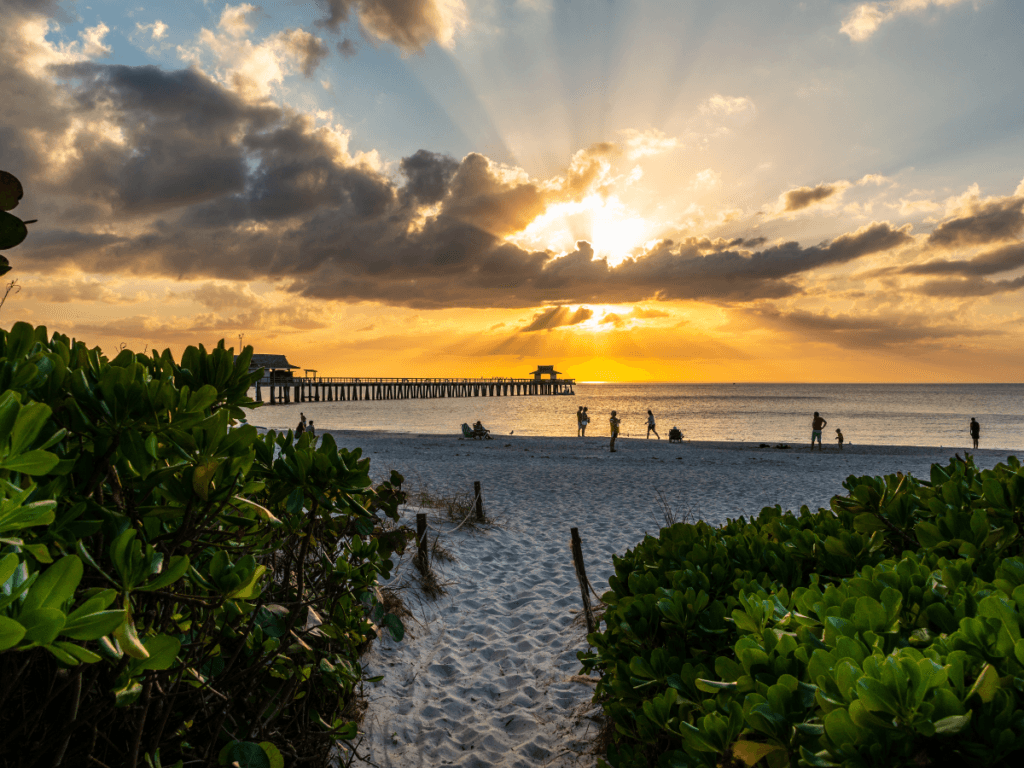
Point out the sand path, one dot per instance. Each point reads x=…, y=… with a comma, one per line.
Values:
x=485, y=678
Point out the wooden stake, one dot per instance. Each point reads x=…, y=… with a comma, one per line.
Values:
x=421, y=542
x=581, y=577
x=479, y=501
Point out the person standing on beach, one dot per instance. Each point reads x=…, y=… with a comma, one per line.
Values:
x=817, y=424
x=614, y=422
x=579, y=421
x=839, y=437
x=583, y=423
x=302, y=420
x=975, y=428
x=650, y=425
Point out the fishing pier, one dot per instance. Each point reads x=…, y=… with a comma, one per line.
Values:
x=279, y=385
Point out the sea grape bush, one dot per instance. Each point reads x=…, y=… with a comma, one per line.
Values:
x=884, y=631
x=175, y=586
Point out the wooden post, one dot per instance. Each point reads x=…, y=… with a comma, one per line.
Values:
x=421, y=542
x=479, y=501
x=581, y=577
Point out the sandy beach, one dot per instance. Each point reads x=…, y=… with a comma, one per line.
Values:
x=485, y=676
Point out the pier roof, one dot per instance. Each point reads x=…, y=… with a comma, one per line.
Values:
x=271, y=363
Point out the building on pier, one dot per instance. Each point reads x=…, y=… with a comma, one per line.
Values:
x=276, y=368
x=545, y=370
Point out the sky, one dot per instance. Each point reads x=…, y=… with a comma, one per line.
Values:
x=631, y=190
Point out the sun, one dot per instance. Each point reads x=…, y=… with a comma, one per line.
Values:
x=612, y=228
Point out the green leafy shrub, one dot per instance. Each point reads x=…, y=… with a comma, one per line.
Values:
x=885, y=631
x=173, y=583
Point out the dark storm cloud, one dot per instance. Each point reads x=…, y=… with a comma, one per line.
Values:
x=863, y=332
x=987, y=222
x=804, y=197
x=408, y=24
x=558, y=317
x=991, y=263
x=428, y=175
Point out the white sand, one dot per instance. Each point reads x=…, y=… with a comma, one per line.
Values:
x=485, y=678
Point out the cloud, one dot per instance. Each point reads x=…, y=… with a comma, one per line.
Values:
x=992, y=262
x=866, y=18
x=806, y=197
x=727, y=105
x=645, y=143
x=641, y=313
x=408, y=24
x=177, y=174
x=706, y=179
x=347, y=48
x=67, y=290
x=557, y=317
x=977, y=222
x=969, y=287
x=879, y=331
x=254, y=69
x=157, y=30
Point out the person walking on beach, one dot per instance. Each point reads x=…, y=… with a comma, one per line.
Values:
x=300, y=429
x=311, y=430
x=650, y=425
x=839, y=438
x=302, y=420
x=584, y=421
x=579, y=421
x=614, y=422
x=817, y=424
x=975, y=428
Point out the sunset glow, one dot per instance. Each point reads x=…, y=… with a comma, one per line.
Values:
x=651, y=190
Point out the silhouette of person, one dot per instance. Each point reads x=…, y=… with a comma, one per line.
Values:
x=975, y=428
x=614, y=423
x=817, y=424
x=650, y=425
x=579, y=421
x=839, y=437
x=584, y=422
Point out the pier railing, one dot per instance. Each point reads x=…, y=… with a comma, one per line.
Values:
x=342, y=388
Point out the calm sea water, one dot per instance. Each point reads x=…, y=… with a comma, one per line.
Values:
x=874, y=414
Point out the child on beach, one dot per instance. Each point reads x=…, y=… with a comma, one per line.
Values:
x=311, y=430
x=579, y=421
x=614, y=422
x=584, y=421
x=839, y=437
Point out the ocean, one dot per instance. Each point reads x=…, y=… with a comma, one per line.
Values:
x=873, y=414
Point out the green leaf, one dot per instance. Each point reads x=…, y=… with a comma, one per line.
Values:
x=177, y=569
x=953, y=723
x=163, y=651
x=752, y=751
x=714, y=686
x=248, y=754
x=7, y=565
x=11, y=633
x=77, y=651
x=56, y=585
x=393, y=623
x=273, y=754
x=128, y=638
x=93, y=626
x=876, y=696
x=986, y=685
x=42, y=625
x=31, y=463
